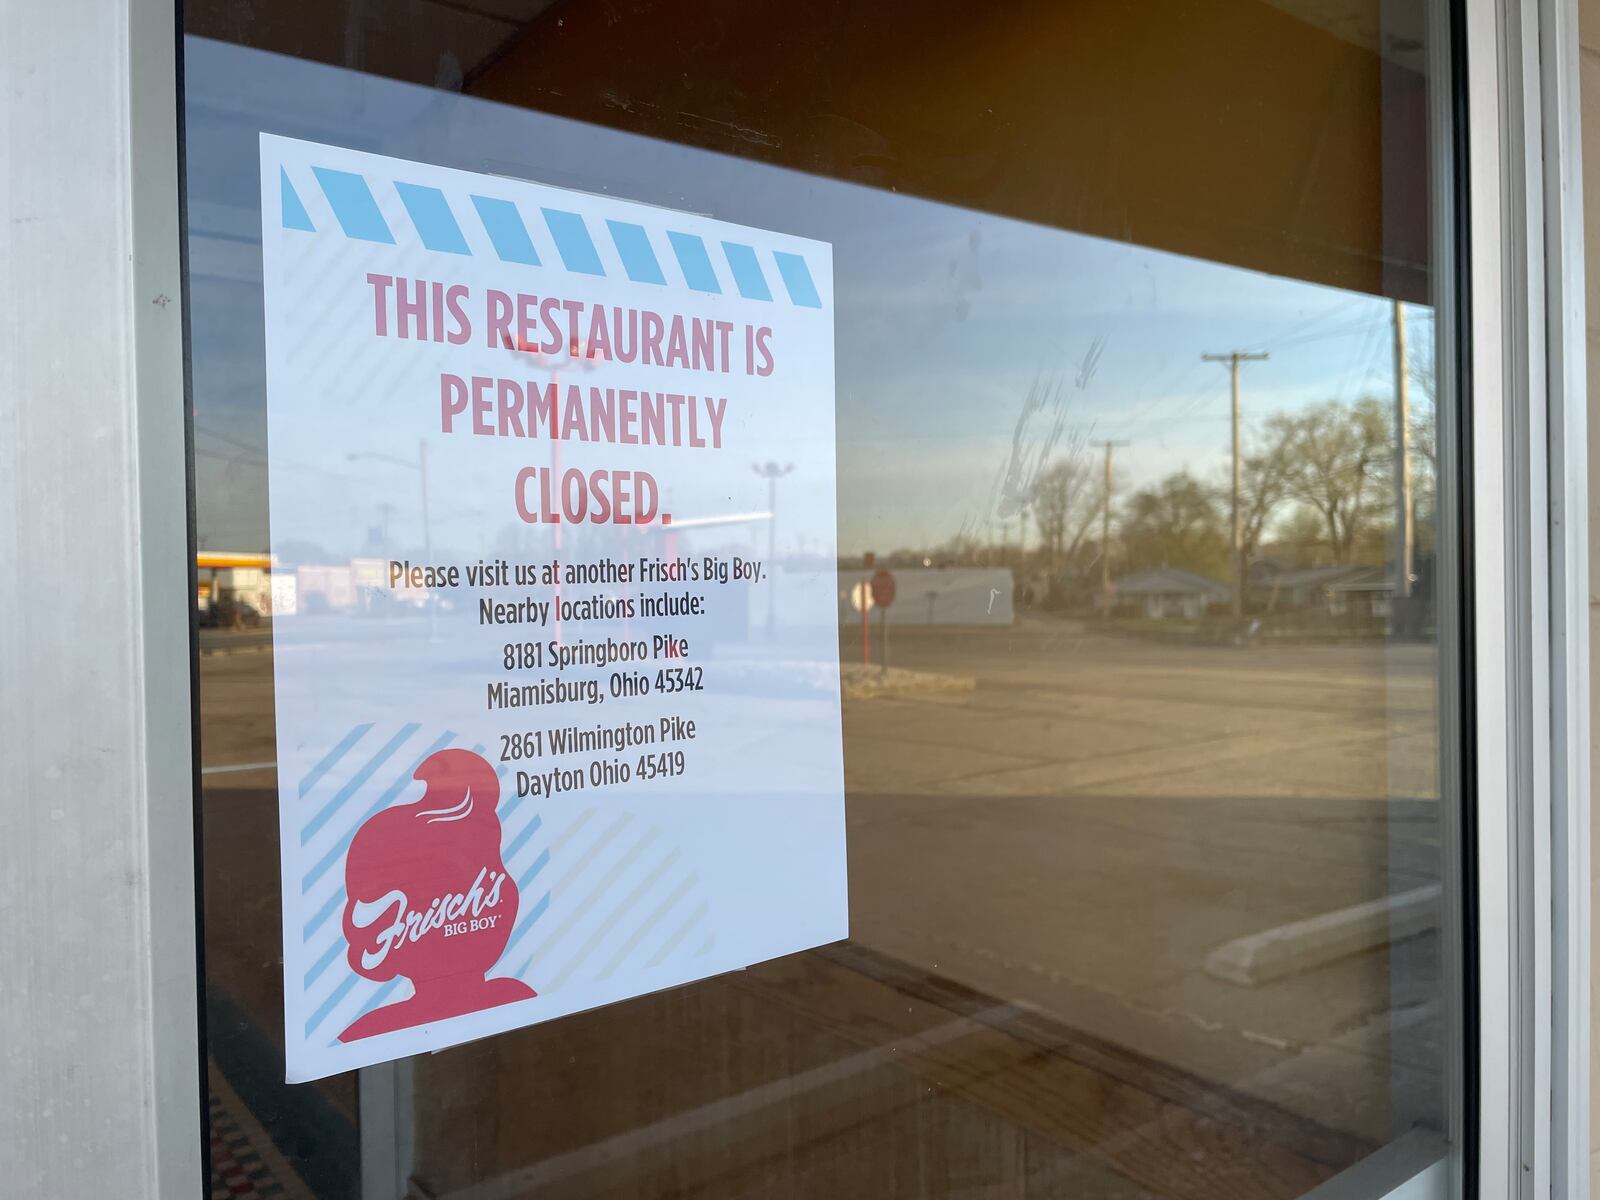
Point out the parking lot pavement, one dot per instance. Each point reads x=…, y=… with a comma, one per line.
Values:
x=233, y=641
x=1097, y=814
x=1084, y=827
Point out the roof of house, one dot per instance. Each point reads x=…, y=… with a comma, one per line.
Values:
x=1171, y=581
x=1310, y=577
x=1365, y=579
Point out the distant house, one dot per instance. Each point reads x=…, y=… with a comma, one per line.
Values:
x=1273, y=589
x=1164, y=592
x=1364, y=595
x=1350, y=595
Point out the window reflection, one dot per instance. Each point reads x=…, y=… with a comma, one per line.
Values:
x=1145, y=866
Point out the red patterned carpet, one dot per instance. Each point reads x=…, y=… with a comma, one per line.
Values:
x=245, y=1164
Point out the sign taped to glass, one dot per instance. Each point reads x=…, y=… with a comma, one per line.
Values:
x=557, y=679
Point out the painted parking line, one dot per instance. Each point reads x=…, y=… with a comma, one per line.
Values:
x=235, y=768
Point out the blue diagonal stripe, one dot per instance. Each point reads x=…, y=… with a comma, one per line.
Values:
x=378, y=805
x=430, y=213
x=797, y=279
x=509, y=800
x=527, y=923
x=573, y=242
x=633, y=247
x=310, y=829
x=294, y=213
x=503, y=223
x=696, y=263
x=378, y=997
x=410, y=773
x=323, y=963
x=538, y=865
x=521, y=840
x=353, y=205
x=333, y=904
x=746, y=270
x=314, y=776
x=331, y=1003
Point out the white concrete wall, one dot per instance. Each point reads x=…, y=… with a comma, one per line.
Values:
x=1589, y=78
x=98, y=1037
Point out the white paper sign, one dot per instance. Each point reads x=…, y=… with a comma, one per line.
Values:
x=552, y=500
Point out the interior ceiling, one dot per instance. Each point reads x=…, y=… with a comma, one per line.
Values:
x=1287, y=136
x=434, y=42
x=1237, y=132
x=1354, y=21
x=1394, y=29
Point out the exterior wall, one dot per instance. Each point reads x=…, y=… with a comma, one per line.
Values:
x=1589, y=79
x=98, y=1013
x=1187, y=607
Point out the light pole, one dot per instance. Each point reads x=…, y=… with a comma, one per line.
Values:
x=420, y=466
x=772, y=472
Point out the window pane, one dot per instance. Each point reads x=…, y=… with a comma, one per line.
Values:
x=1137, y=322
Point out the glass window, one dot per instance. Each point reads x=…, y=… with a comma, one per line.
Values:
x=1136, y=324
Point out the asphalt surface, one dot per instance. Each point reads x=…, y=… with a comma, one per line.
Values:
x=1077, y=831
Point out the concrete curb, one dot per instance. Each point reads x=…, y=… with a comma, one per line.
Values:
x=861, y=681
x=1301, y=945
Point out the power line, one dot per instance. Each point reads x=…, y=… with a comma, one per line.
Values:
x=1294, y=332
x=1162, y=396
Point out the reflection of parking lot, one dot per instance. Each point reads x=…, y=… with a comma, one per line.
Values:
x=225, y=640
x=1075, y=833
x=1099, y=813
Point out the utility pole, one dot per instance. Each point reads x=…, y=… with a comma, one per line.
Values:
x=384, y=512
x=427, y=520
x=1404, y=517
x=421, y=468
x=1233, y=359
x=772, y=472
x=1105, y=535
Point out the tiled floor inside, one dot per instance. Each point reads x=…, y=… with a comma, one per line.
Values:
x=244, y=1162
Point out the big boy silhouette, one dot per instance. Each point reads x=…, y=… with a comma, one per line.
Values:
x=428, y=897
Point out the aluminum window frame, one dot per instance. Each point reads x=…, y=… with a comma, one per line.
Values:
x=1528, y=901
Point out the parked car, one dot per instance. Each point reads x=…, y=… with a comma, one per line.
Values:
x=231, y=613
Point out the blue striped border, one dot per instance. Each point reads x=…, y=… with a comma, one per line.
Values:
x=435, y=218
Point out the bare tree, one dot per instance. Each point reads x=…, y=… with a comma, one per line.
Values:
x=1265, y=483
x=1424, y=470
x=1066, y=499
x=1340, y=460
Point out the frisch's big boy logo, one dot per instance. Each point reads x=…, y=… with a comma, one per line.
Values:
x=428, y=897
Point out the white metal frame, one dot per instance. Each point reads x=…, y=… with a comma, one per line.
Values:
x=1566, y=449
x=1530, y=614
x=98, y=1013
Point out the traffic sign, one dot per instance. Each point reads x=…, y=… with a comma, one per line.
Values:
x=883, y=589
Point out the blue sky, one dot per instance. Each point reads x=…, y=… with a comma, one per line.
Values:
x=945, y=317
